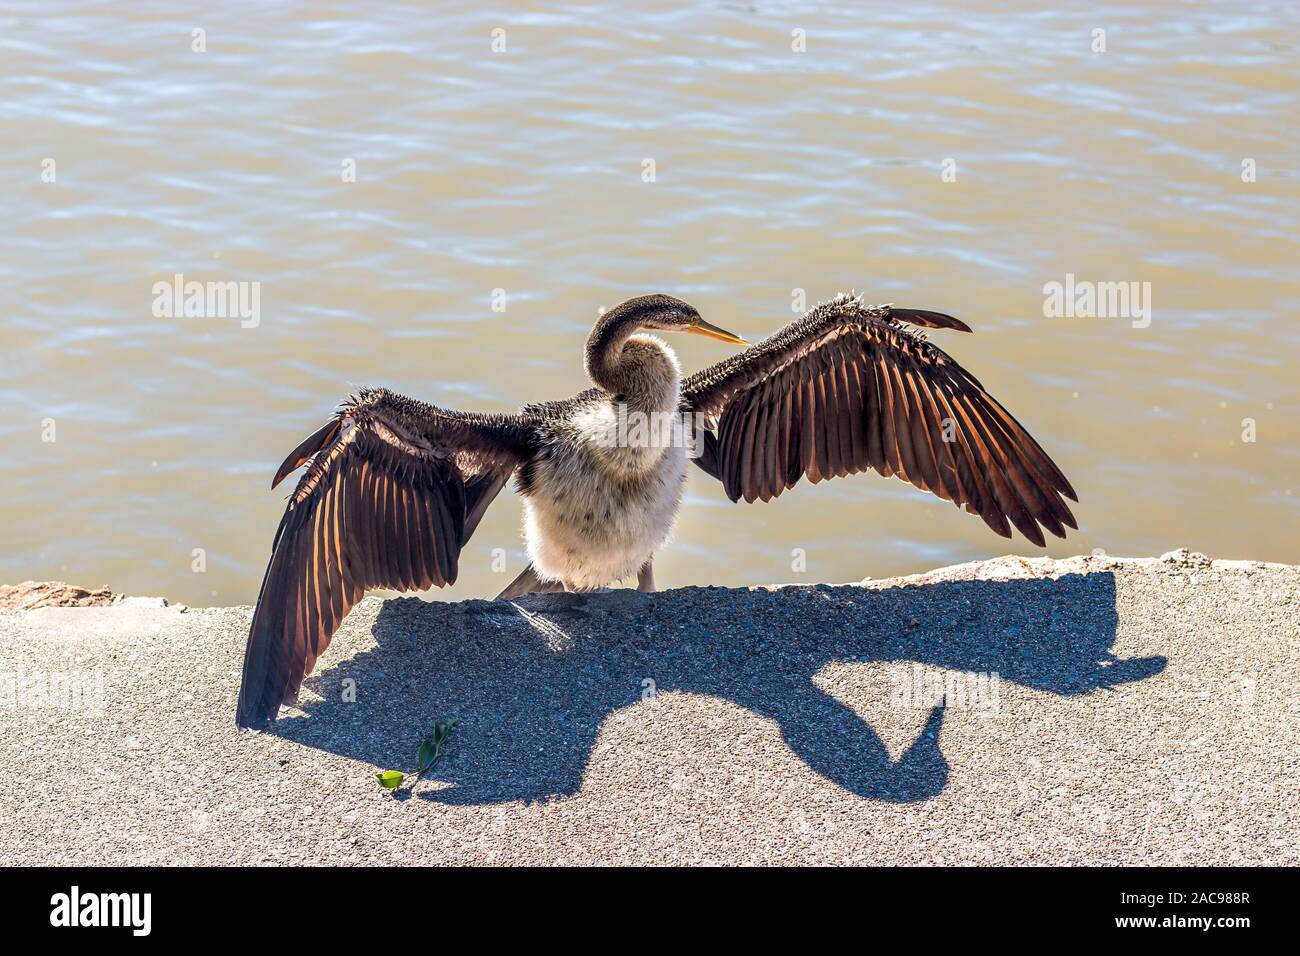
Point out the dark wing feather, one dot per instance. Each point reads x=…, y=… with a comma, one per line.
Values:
x=847, y=388
x=392, y=492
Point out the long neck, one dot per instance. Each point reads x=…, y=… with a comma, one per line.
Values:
x=605, y=366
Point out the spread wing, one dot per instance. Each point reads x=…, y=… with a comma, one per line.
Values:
x=848, y=387
x=392, y=491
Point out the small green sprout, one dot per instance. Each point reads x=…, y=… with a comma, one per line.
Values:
x=432, y=750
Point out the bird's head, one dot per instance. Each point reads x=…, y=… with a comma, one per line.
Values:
x=664, y=313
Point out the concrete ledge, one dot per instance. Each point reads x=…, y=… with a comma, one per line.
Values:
x=1143, y=711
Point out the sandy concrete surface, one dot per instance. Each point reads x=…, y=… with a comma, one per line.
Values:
x=1098, y=710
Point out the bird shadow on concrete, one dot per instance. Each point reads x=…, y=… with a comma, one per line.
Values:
x=531, y=681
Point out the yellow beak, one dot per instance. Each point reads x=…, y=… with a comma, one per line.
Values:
x=700, y=327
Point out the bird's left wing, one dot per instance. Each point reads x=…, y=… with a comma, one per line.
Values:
x=392, y=491
x=848, y=387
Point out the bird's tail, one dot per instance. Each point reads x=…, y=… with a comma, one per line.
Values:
x=529, y=583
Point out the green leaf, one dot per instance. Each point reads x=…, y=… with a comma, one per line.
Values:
x=427, y=756
x=390, y=779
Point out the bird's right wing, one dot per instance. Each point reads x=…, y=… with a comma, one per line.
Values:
x=392, y=491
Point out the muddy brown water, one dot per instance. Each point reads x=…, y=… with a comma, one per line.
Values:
x=956, y=157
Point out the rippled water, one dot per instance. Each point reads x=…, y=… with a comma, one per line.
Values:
x=522, y=170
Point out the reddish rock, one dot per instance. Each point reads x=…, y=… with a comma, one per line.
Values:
x=34, y=594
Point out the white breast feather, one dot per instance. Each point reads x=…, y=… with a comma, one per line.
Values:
x=600, y=507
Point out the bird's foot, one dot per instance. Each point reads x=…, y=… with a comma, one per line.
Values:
x=645, y=578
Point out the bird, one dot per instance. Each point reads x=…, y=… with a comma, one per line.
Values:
x=392, y=488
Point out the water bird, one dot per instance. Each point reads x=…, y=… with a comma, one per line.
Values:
x=393, y=488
